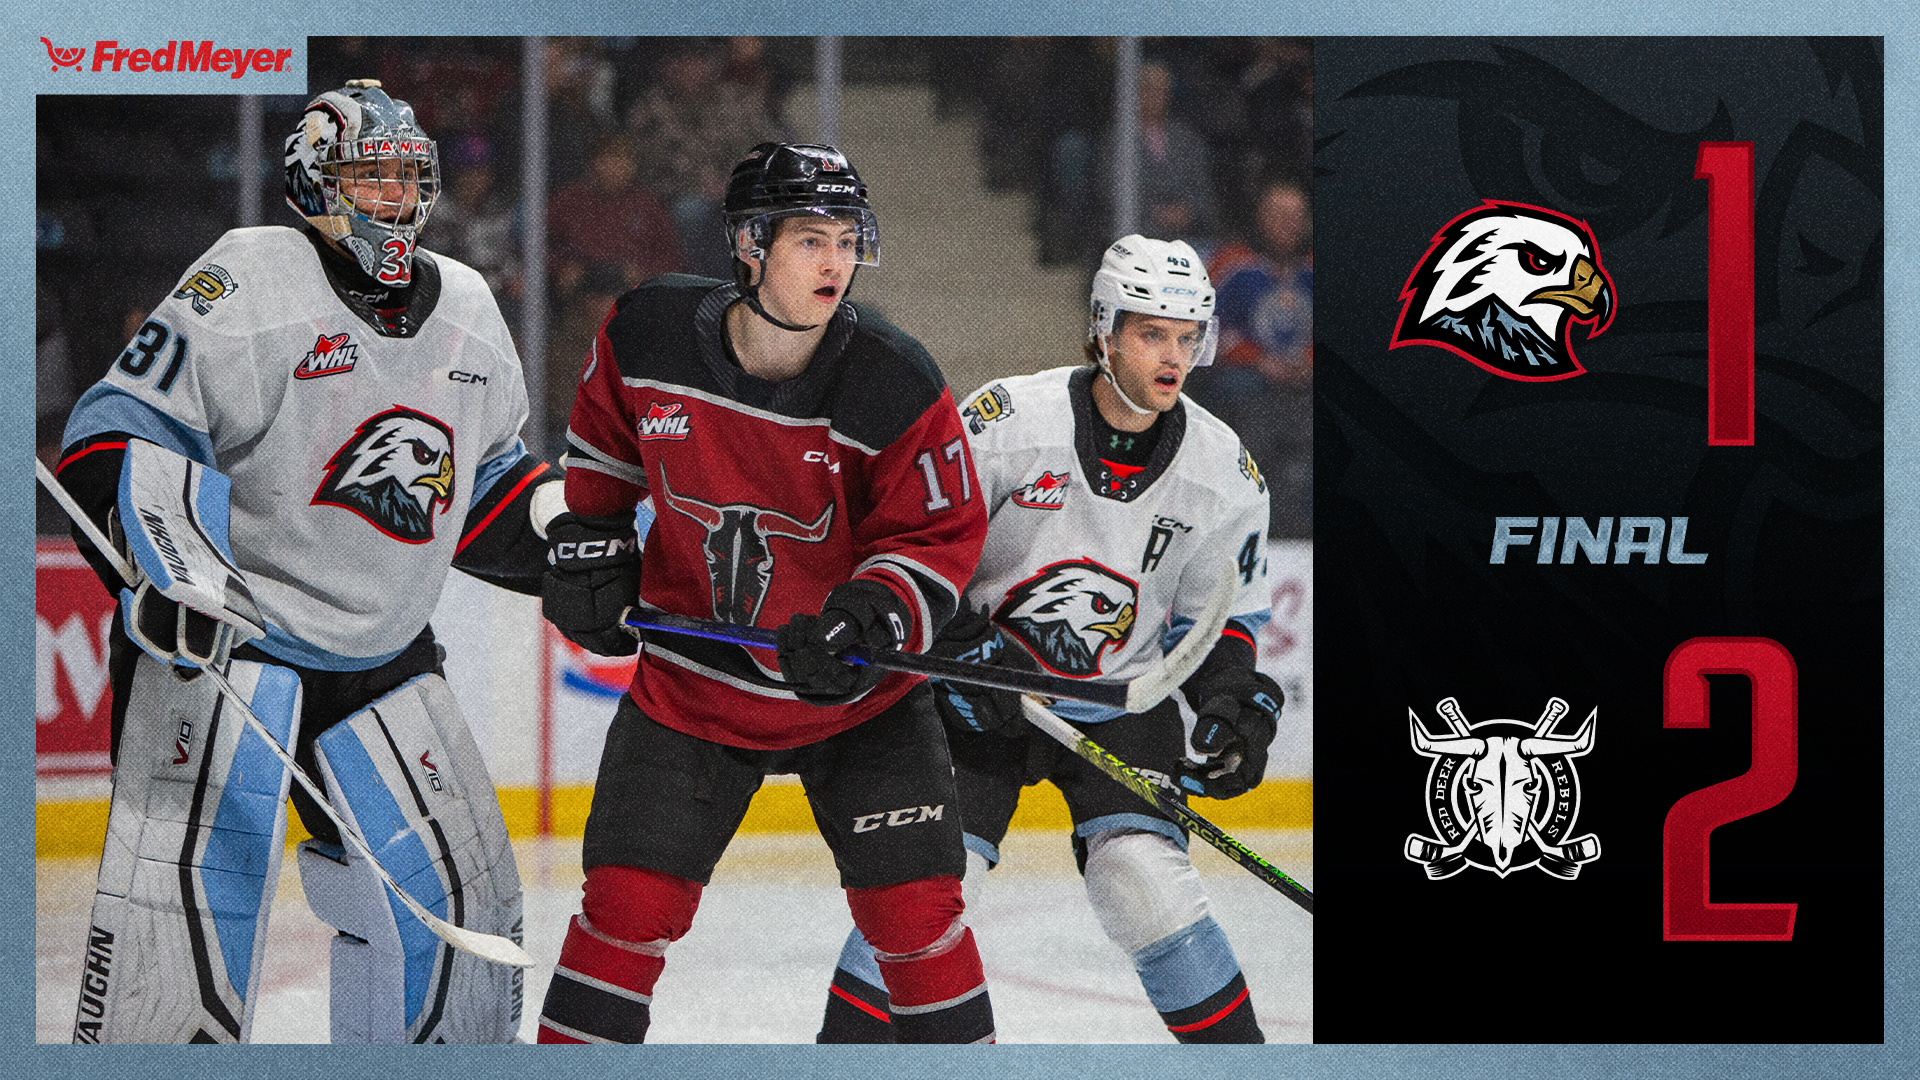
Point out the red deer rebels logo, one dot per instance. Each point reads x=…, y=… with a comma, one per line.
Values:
x=1502, y=795
x=739, y=560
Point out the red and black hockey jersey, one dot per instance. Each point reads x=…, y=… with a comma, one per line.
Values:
x=768, y=494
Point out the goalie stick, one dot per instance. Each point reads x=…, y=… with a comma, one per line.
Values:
x=1139, y=694
x=492, y=947
x=1073, y=739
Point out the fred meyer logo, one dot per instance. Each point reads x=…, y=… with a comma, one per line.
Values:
x=172, y=56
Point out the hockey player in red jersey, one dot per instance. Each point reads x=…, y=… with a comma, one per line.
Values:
x=808, y=471
x=1118, y=507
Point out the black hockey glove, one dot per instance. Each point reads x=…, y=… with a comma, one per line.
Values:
x=857, y=612
x=593, y=576
x=1238, y=712
x=972, y=637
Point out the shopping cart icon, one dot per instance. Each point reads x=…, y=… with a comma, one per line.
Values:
x=64, y=57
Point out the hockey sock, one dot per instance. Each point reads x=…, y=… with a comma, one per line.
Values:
x=927, y=960
x=602, y=989
x=1192, y=978
x=857, y=999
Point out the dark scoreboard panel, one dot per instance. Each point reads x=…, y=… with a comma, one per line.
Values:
x=1598, y=533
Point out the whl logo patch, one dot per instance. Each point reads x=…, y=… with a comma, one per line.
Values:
x=329, y=356
x=665, y=422
x=1047, y=493
x=1502, y=795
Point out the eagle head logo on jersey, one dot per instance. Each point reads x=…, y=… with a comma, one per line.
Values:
x=1502, y=286
x=396, y=471
x=1069, y=614
x=739, y=559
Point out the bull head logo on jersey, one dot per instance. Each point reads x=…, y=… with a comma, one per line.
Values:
x=1502, y=286
x=1069, y=614
x=739, y=559
x=396, y=471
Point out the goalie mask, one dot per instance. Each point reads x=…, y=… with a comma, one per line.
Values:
x=783, y=180
x=1153, y=277
x=361, y=171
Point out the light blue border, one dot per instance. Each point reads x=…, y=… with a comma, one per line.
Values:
x=24, y=64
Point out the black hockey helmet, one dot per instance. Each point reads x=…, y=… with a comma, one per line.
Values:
x=777, y=180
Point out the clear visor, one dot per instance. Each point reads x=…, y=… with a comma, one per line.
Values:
x=1197, y=340
x=390, y=190
x=859, y=244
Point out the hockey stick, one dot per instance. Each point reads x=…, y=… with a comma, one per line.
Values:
x=1141, y=693
x=492, y=947
x=1073, y=739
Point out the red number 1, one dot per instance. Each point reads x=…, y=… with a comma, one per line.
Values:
x=1689, y=914
x=1727, y=167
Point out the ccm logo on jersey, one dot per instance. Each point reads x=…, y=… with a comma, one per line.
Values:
x=1047, y=493
x=819, y=457
x=665, y=422
x=907, y=815
x=330, y=356
x=466, y=377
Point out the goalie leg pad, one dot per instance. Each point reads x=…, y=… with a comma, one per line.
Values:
x=191, y=861
x=405, y=772
x=1150, y=902
x=936, y=989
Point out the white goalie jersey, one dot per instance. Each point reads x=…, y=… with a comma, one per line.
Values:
x=1097, y=568
x=353, y=456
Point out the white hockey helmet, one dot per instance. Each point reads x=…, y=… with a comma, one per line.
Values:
x=339, y=130
x=1153, y=277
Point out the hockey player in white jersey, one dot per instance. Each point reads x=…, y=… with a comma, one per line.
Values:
x=363, y=399
x=1117, y=508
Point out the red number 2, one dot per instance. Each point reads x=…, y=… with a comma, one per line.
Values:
x=1689, y=914
x=1727, y=167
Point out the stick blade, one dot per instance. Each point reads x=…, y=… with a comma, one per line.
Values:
x=1152, y=688
x=485, y=946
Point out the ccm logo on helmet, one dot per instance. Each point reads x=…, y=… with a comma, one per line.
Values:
x=907, y=815
x=835, y=189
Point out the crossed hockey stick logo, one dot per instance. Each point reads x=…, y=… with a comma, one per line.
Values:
x=1502, y=796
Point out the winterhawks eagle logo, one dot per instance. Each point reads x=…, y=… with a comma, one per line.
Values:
x=1069, y=614
x=1502, y=286
x=396, y=471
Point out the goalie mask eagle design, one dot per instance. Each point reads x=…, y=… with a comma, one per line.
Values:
x=1502, y=286
x=1070, y=614
x=396, y=471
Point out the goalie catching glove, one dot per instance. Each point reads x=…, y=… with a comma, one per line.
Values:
x=972, y=637
x=186, y=602
x=593, y=577
x=1238, y=715
x=857, y=612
